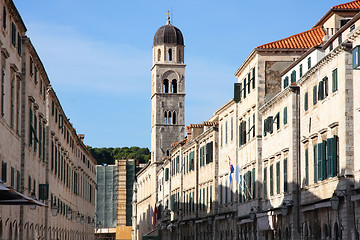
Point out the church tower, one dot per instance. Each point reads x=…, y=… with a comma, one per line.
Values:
x=167, y=91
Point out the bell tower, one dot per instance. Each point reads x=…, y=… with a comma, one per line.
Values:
x=167, y=91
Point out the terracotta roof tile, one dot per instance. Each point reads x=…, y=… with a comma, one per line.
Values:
x=304, y=40
x=349, y=5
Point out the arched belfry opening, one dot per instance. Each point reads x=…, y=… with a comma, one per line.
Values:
x=166, y=86
x=174, y=86
x=170, y=54
x=159, y=55
x=174, y=117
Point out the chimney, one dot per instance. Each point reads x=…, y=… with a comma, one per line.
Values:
x=81, y=137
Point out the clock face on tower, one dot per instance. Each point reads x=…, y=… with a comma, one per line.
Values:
x=167, y=91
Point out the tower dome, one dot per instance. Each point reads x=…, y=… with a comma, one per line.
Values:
x=168, y=34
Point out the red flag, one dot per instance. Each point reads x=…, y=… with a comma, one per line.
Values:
x=155, y=215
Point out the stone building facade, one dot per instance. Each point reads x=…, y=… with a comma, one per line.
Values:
x=41, y=154
x=283, y=150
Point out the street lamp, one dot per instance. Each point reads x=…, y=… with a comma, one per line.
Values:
x=334, y=200
x=33, y=196
x=78, y=217
x=253, y=212
x=285, y=207
x=69, y=213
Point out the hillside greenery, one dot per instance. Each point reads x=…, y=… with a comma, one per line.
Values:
x=108, y=155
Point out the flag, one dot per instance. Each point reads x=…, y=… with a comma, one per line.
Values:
x=231, y=168
x=237, y=173
x=155, y=215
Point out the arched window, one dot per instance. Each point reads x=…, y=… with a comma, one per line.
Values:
x=165, y=117
x=173, y=86
x=159, y=55
x=170, y=54
x=166, y=86
x=169, y=118
x=174, y=118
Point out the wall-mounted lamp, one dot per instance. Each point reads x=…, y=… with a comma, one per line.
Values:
x=54, y=209
x=33, y=196
x=285, y=207
x=69, y=213
x=335, y=200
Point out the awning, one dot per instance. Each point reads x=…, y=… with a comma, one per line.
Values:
x=9, y=196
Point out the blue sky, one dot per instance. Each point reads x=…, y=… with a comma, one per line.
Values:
x=98, y=54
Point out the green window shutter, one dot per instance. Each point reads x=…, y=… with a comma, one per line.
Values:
x=321, y=90
x=285, y=115
x=300, y=70
x=13, y=34
x=166, y=174
x=324, y=159
x=12, y=177
x=293, y=77
x=320, y=162
x=253, y=78
x=207, y=197
x=315, y=95
x=241, y=133
x=30, y=126
x=271, y=181
x=265, y=183
x=306, y=101
x=306, y=167
x=286, y=81
x=334, y=80
x=309, y=62
x=285, y=175
x=244, y=88
x=4, y=172
x=325, y=82
x=35, y=133
x=18, y=180
x=43, y=191
x=245, y=187
x=240, y=190
x=19, y=43
x=237, y=92
x=278, y=177
x=29, y=184
x=277, y=119
x=335, y=155
x=253, y=183
x=270, y=122
x=244, y=132
x=315, y=164
x=249, y=81
x=329, y=155
x=210, y=196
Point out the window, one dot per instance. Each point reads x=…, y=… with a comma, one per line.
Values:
x=285, y=115
x=231, y=129
x=165, y=118
x=277, y=120
x=306, y=101
x=331, y=47
x=253, y=78
x=226, y=131
x=17, y=180
x=253, y=126
x=309, y=62
x=265, y=183
x=285, y=175
x=2, y=90
x=19, y=44
x=314, y=95
x=323, y=89
x=286, y=81
x=4, y=172
x=209, y=152
x=334, y=80
x=242, y=133
x=13, y=34
x=173, y=86
x=4, y=17
x=293, y=77
x=278, y=177
x=174, y=118
x=12, y=177
x=306, y=181
x=249, y=83
x=244, y=87
x=271, y=181
x=221, y=135
x=300, y=70
x=12, y=105
x=321, y=161
x=268, y=125
x=17, y=107
x=31, y=67
x=169, y=118
x=315, y=154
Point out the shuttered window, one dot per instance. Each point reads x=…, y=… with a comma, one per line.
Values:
x=4, y=172
x=209, y=152
x=306, y=181
x=286, y=81
x=306, y=101
x=315, y=157
x=278, y=177
x=253, y=78
x=293, y=77
x=253, y=183
x=13, y=34
x=309, y=62
x=334, y=80
x=285, y=115
x=332, y=145
x=249, y=83
x=244, y=88
x=4, y=17
x=300, y=70
x=271, y=181
x=285, y=175
x=322, y=161
x=315, y=95
x=265, y=183
x=277, y=120
x=19, y=43
x=166, y=174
